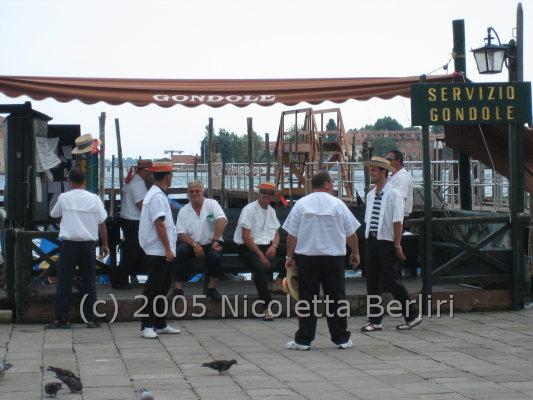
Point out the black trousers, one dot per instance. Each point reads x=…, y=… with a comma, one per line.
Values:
x=184, y=255
x=382, y=274
x=157, y=284
x=83, y=255
x=260, y=272
x=328, y=271
x=133, y=256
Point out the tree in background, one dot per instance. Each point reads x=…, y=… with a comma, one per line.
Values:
x=331, y=126
x=234, y=148
x=382, y=146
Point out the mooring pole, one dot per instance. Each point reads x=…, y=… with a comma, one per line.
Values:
x=267, y=150
x=250, y=159
x=101, y=157
x=459, y=61
x=209, y=162
x=119, y=153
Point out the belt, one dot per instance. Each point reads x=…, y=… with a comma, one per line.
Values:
x=372, y=235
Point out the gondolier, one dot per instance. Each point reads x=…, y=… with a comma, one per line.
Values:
x=157, y=237
x=383, y=251
x=319, y=227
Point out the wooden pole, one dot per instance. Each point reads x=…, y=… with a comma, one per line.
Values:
x=223, y=193
x=112, y=197
x=119, y=154
x=250, y=159
x=366, y=157
x=101, y=159
x=209, y=161
x=267, y=150
x=196, y=167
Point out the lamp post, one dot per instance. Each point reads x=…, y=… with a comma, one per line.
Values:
x=490, y=59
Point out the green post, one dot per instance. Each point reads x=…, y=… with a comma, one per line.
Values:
x=465, y=181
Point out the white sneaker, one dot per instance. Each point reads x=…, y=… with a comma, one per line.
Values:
x=292, y=345
x=167, y=330
x=346, y=345
x=148, y=333
x=409, y=324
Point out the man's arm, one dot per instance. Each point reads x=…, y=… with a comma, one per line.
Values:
x=220, y=225
x=161, y=231
x=398, y=231
x=291, y=246
x=353, y=243
x=104, y=248
x=139, y=205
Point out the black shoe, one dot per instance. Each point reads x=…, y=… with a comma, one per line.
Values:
x=58, y=324
x=213, y=294
x=94, y=324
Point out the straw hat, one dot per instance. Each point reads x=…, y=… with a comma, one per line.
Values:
x=45, y=265
x=378, y=162
x=161, y=166
x=289, y=285
x=85, y=143
x=271, y=186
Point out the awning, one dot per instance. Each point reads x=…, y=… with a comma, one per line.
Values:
x=469, y=139
x=211, y=92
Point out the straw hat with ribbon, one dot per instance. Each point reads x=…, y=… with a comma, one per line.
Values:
x=378, y=162
x=141, y=164
x=160, y=166
x=289, y=285
x=270, y=186
x=86, y=143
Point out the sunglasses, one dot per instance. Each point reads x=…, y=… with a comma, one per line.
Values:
x=196, y=191
x=269, y=193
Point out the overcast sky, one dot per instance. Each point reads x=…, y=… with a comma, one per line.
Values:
x=237, y=39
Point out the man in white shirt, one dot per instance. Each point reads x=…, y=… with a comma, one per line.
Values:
x=82, y=219
x=401, y=179
x=319, y=227
x=131, y=202
x=258, y=239
x=383, y=251
x=157, y=237
x=200, y=225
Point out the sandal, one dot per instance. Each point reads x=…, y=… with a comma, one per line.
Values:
x=268, y=317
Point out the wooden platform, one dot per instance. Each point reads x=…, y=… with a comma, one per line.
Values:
x=240, y=296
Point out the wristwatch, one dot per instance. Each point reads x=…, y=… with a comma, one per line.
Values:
x=288, y=257
x=194, y=244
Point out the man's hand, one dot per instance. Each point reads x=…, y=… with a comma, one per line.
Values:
x=169, y=255
x=354, y=260
x=216, y=245
x=104, y=252
x=264, y=261
x=399, y=252
x=198, y=251
x=271, y=252
x=290, y=263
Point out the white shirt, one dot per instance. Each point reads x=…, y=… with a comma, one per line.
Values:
x=263, y=223
x=392, y=208
x=155, y=205
x=132, y=193
x=403, y=181
x=80, y=212
x=321, y=222
x=201, y=228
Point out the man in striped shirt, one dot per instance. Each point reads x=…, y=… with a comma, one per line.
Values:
x=383, y=251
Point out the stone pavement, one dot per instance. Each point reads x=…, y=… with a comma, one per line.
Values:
x=471, y=356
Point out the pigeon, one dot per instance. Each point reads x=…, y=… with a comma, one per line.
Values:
x=4, y=366
x=61, y=372
x=220, y=365
x=52, y=388
x=145, y=394
x=73, y=383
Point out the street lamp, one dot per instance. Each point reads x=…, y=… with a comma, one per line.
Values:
x=490, y=57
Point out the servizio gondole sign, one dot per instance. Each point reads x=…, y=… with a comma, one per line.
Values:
x=470, y=103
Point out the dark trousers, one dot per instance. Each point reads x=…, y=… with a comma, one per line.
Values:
x=157, y=284
x=260, y=272
x=184, y=254
x=133, y=255
x=328, y=271
x=83, y=255
x=382, y=273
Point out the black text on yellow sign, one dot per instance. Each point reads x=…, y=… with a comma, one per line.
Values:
x=470, y=103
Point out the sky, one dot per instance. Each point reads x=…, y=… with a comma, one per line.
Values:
x=208, y=39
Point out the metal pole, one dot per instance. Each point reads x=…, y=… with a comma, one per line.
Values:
x=250, y=159
x=209, y=161
x=465, y=180
x=427, y=240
